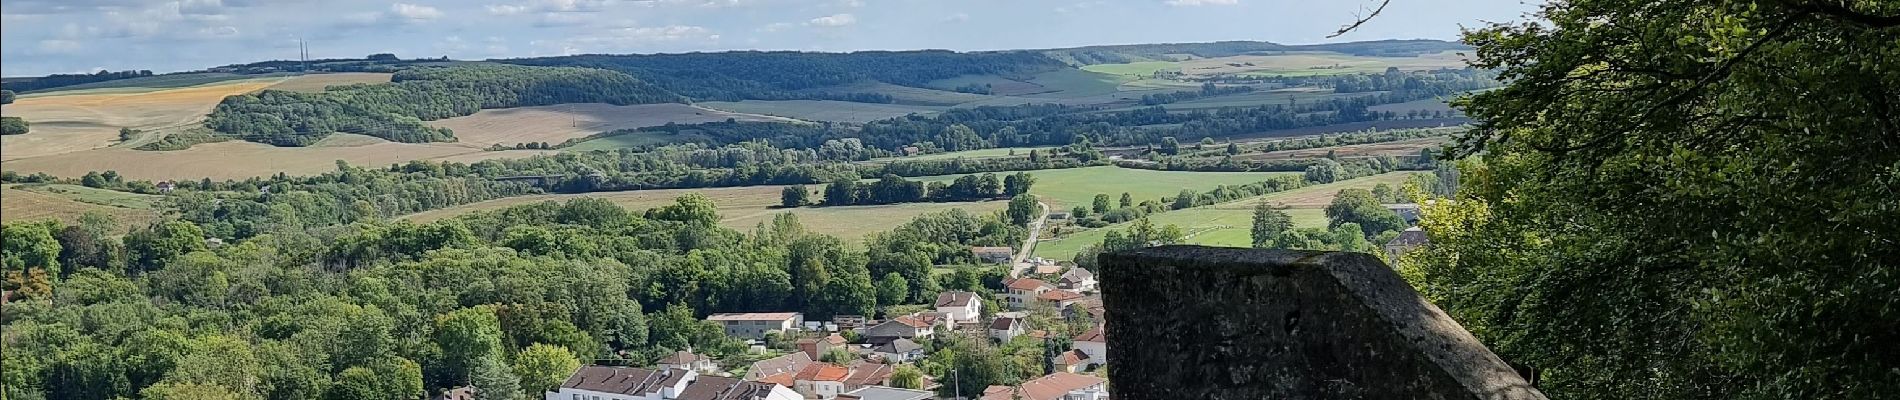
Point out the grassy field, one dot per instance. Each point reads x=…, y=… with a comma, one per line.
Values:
x=1228, y=224
x=743, y=208
x=999, y=86
x=73, y=121
x=1067, y=188
x=1408, y=147
x=110, y=198
x=1139, y=68
x=558, y=123
x=906, y=95
x=17, y=204
x=1421, y=105
x=821, y=110
x=313, y=83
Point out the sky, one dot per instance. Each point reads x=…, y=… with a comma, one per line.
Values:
x=39, y=37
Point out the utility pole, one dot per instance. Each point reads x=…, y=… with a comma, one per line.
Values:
x=303, y=54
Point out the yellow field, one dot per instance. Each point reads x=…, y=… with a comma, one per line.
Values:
x=239, y=159
x=743, y=208
x=65, y=123
x=558, y=123
x=22, y=205
x=317, y=82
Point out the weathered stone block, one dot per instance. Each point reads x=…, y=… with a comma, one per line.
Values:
x=1191, y=322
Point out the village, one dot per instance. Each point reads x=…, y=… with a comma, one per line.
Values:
x=855, y=357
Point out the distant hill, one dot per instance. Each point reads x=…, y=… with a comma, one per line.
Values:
x=790, y=75
x=1116, y=54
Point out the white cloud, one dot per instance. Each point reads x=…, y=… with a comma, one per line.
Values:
x=506, y=9
x=629, y=38
x=851, y=3
x=1191, y=3
x=834, y=20
x=958, y=17
x=414, y=12
x=1079, y=6
x=775, y=27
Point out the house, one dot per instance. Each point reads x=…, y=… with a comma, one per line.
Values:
x=1077, y=279
x=1410, y=238
x=755, y=325
x=1058, y=298
x=820, y=380
x=905, y=327
x=960, y=306
x=899, y=351
x=167, y=186
x=912, y=150
x=1059, y=385
x=595, y=382
x=813, y=347
x=685, y=359
x=865, y=374
x=1003, y=329
x=887, y=393
x=1072, y=361
x=994, y=255
x=848, y=322
x=1406, y=211
x=785, y=364
x=1017, y=293
x=457, y=393
x=1095, y=344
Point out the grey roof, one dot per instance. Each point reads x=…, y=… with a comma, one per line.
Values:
x=890, y=393
x=890, y=329
x=622, y=380
x=1077, y=274
x=955, y=299
x=1410, y=237
x=722, y=388
x=899, y=346
x=792, y=362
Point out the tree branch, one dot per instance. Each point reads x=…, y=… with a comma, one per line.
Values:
x=1361, y=21
x=1841, y=11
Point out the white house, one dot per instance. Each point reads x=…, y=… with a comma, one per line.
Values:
x=755, y=325
x=1077, y=279
x=595, y=382
x=1004, y=329
x=820, y=380
x=900, y=351
x=1017, y=293
x=961, y=307
x=1095, y=344
x=685, y=359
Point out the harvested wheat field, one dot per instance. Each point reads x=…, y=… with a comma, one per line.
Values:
x=239, y=159
x=558, y=123
x=313, y=83
x=64, y=123
x=23, y=205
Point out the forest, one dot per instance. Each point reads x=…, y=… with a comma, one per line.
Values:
x=398, y=310
x=396, y=111
x=786, y=75
x=63, y=80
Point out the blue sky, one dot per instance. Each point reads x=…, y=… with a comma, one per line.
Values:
x=39, y=37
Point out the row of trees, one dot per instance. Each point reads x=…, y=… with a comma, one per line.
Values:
x=892, y=189
x=395, y=111
x=787, y=75
x=62, y=80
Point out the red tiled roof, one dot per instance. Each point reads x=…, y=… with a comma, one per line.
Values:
x=623, y=380
x=1059, y=295
x=680, y=357
x=1027, y=284
x=782, y=379
x=867, y=374
x=835, y=340
x=822, y=372
x=914, y=322
x=1071, y=357
x=1048, y=387
x=1093, y=335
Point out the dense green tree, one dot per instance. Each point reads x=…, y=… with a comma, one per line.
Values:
x=1127, y=200
x=1233, y=149
x=1170, y=146
x=892, y=289
x=543, y=367
x=14, y=126
x=1325, y=171
x=1268, y=223
x=1185, y=199
x=1359, y=206
x=25, y=245
x=1100, y=204
x=493, y=379
x=468, y=336
x=1023, y=210
x=1018, y=183
x=795, y=196
x=150, y=248
x=6, y=97
x=1681, y=200
x=907, y=376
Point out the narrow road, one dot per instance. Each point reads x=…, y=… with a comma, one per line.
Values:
x=1029, y=245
